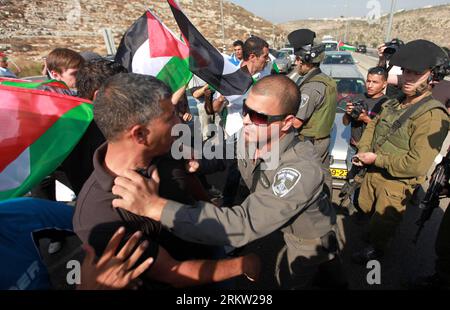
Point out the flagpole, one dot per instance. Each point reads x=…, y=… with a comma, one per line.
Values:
x=223, y=28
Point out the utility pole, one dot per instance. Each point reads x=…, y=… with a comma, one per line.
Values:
x=273, y=35
x=346, y=21
x=391, y=17
x=346, y=30
x=223, y=27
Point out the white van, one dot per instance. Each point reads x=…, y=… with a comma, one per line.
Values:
x=330, y=45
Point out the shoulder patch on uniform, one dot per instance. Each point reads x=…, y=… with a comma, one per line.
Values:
x=284, y=181
x=305, y=99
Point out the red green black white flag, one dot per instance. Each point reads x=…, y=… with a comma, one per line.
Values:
x=38, y=130
x=207, y=62
x=149, y=47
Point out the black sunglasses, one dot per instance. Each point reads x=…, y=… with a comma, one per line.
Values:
x=261, y=118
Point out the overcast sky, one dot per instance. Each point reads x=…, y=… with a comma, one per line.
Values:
x=279, y=11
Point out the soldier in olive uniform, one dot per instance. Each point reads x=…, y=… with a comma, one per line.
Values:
x=315, y=116
x=398, y=160
x=288, y=196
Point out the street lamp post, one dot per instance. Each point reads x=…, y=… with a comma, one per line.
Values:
x=346, y=30
x=391, y=17
x=223, y=28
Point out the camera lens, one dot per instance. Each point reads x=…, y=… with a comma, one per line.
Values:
x=390, y=50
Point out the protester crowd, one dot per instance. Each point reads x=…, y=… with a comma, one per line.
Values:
x=144, y=218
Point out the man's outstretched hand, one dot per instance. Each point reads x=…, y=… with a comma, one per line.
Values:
x=114, y=271
x=138, y=194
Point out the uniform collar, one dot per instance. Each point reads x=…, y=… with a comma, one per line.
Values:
x=310, y=74
x=284, y=144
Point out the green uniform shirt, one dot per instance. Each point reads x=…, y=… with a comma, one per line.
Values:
x=312, y=94
x=277, y=197
x=318, y=105
x=410, y=151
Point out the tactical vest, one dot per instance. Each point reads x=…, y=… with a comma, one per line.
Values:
x=321, y=122
x=399, y=142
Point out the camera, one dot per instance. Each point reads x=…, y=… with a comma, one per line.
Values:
x=442, y=68
x=143, y=172
x=356, y=160
x=392, y=47
x=358, y=106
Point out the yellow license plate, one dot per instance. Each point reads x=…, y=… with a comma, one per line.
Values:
x=339, y=173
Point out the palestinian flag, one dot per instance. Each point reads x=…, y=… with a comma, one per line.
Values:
x=275, y=67
x=38, y=130
x=7, y=79
x=150, y=48
x=345, y=47
x=207, y=62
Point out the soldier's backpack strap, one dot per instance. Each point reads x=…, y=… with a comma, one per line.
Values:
x=381, y=102
x=402, y=119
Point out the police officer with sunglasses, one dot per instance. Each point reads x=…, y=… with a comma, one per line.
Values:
x=285, y=181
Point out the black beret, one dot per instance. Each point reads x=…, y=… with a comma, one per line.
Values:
x=301, y=37
x=418, y=56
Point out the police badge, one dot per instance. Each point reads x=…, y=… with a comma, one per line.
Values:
x=305, y=99
x=284, y=181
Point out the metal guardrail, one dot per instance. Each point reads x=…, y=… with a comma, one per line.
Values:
x=109, y=41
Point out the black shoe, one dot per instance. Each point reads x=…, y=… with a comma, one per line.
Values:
x=433, y=282
x=367, y=254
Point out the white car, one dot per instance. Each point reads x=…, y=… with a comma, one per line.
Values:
x=350, y=82
x=331, y=45
x=338, y=58
x=290, y=51
x=283, y=62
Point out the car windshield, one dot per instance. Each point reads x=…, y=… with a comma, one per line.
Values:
x=330, y=47
x=338, y=59
x=273, y=52
x=281, y=55
x=289, y=51
x=348, y=88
